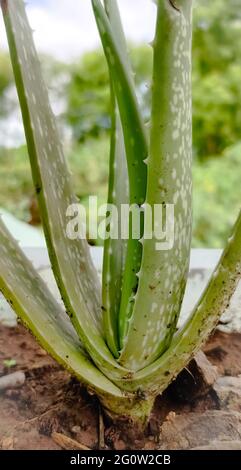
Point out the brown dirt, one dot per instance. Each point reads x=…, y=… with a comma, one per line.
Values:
x=224, y=351
x=51, y=408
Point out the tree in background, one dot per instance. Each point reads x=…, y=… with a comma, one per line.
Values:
x=88, y=94
x=216, y=75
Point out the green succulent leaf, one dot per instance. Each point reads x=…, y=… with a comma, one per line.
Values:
x=114, y=249
x=34, y=304
x=135, y=145
x=71, y=261
x=118, y=193
x=163, y=273
x=112, y=11
x=143, y=285
x=192, y=335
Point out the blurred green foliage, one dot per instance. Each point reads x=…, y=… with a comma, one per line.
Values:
x=88, y=164
x=217, y=197
x=216, y=75
x=6, y=79
x=88, y=111
x=81, y=92
x=217, y=188
x=6, y=75
x=88, y=93
x=16, y=187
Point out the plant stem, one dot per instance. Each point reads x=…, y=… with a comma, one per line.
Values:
x=133, y=412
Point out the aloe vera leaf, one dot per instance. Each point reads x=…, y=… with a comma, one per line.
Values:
x=71, y=260
x=136, y=153
x=189, y=338
x=114, y=249
x=112, y=10
x=163, y=274
x=118, y=193
x=32, y=301
x=34, y=304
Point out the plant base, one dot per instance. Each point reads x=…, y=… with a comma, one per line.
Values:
x=130, y=412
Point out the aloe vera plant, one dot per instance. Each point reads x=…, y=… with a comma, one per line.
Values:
x=122, y=343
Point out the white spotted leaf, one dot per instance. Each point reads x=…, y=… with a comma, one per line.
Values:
x=188, y=340
x=163, y=273
x=34, y=304
x=71, y=261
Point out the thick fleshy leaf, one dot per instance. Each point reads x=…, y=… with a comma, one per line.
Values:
x=164, y=269
x=114, y=249
x=71, y=261
x=118, y=193
x=34, y=304
x=189, y=339
x=136, y=153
